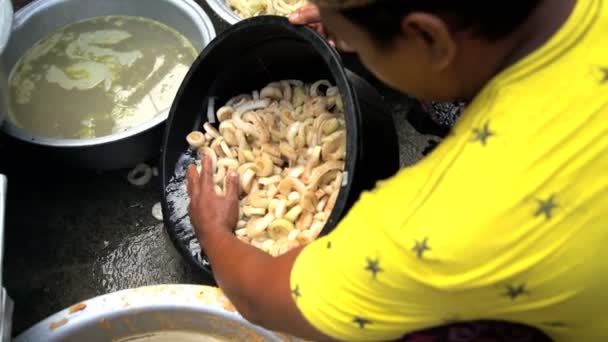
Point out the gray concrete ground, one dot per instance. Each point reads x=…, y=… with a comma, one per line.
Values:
x=73, y=234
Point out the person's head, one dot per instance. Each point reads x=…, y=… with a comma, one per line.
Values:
x=427, y=48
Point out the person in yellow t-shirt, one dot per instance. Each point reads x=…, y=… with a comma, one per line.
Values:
x=507, y=220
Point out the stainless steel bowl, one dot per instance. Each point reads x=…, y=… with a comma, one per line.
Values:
x=126, y=314
x=119, y=150
x=223, y=11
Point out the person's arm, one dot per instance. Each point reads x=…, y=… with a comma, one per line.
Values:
x=256, y=283
x=376, y=277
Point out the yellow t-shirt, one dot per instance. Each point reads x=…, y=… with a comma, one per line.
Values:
x=506, y=220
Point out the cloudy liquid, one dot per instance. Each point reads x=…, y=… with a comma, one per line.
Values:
x=98, y=77
x=174, y=336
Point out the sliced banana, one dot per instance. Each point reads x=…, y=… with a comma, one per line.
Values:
x=308, y=202
x=211, y=130
x=247, y=180
x=280, y=209
x=196, y=139
x=229, y=163
x=272, y=92
x=293, y=214
x=250, y=211
x=288, y=145
x=304, y=221
x=225, y=113
x=264, y=166
x=256, y=227
x=280, y=228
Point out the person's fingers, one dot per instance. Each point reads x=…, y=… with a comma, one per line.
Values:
x=306, y=14
x=206, y=181
x=320, y=30
x=231, y=186
x=317, y=27
x=192, y=179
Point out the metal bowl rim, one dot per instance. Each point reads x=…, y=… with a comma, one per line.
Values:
x=138, y=300
x=223, y=11
x=22, y=18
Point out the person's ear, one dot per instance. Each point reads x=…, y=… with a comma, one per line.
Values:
x=433, y=34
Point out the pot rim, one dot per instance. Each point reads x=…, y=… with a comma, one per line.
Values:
x=92, y=313
x=6, y=22
x=22, y=18
x=223, y=11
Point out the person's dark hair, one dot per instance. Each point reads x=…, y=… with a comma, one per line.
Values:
x=488, y=19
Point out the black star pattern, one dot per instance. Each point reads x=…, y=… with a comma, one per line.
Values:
x=361, y=322
x=296, y=292
x=546, y=207
x=421, y=247
x=605, y=77
x=482, y=134
x=515, y=292
x=373, y=266
x=328, y=244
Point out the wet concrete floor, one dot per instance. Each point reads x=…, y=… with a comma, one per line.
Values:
x=72, y=234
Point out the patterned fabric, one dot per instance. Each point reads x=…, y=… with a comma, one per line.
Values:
x=444, y=113
x=504, y=221
x=480, y=332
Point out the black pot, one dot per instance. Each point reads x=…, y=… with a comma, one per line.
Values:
x=248, y=56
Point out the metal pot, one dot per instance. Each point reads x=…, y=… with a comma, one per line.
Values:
x=248, y=56
x=126, y=314
x=123, y=149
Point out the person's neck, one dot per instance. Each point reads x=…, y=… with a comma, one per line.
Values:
x=541, y=25
x=548, y=17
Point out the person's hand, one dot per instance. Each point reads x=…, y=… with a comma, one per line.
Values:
x=209, y=212
x=306, y=15
x=309, y=15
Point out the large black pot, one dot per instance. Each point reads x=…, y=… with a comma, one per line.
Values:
x=251, y=54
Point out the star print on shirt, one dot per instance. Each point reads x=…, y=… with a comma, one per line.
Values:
x=516, y=291
x=546, y=207
x=605, y=76
x=361, y=322
x=373, y=266
x=421, y=247
x=483, y=134
x=296, y=292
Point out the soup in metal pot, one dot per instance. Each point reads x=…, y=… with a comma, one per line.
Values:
x=98, y=77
